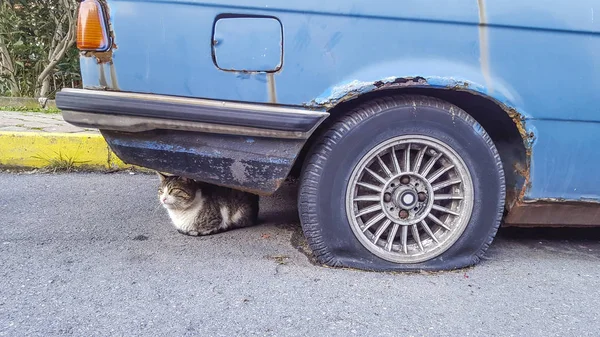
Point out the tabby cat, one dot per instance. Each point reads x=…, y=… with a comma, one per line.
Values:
x=198, y=208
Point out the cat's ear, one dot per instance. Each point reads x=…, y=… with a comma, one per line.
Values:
x=161, y=176
x=186, y=180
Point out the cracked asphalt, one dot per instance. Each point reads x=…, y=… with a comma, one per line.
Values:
x=94, y=255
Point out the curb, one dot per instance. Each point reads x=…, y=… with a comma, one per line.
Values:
x=57, y=151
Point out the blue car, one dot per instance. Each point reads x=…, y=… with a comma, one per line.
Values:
x=415, y=128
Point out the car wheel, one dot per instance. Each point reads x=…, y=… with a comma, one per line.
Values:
x=402, y=183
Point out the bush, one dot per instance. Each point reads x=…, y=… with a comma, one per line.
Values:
x=37, y=47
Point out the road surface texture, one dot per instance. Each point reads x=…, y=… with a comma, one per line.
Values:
x=95, y=255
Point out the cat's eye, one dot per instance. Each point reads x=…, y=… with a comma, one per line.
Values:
x=179, y=192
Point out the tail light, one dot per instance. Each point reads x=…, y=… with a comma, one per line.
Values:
x=92, y=32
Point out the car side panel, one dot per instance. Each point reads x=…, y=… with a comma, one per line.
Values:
x=536, y=58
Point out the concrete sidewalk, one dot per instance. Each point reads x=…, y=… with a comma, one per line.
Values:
x=35, y=140
x=38, y=122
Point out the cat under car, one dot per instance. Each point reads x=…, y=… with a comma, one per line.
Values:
x=198, y=208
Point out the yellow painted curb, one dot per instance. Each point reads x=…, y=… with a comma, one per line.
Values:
x=57, y=151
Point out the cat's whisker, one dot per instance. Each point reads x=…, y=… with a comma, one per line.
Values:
x=156, y=208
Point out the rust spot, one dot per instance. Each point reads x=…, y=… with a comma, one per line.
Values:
x=527, y=137
x=271, y=90
x=525, y=173
x=554, y=213
x=101, y=57
x=518, y=119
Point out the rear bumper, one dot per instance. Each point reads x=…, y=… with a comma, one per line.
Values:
x=249, y=147
x=121, y=111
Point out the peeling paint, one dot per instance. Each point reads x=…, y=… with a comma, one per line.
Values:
x=355, y=88
x=340, y=93
x=238, y=171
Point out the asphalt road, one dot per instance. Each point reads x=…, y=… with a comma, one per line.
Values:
x=95, y=255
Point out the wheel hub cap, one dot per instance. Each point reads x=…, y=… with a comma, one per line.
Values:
x=407, y=199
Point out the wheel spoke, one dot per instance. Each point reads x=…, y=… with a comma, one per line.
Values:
x=391, y=236
x=439, y=173
x=395, y=161
x=447, y=197
x=369, y=209
x=367, y=198
x=446, y=183
x=428, y=230
x=444, y=209
x=384, y=167
x=407, y=158
x=404, y=237
x=419, y=159
x=369, y=186
x=381, y=229
x=376, y=176
x=437, y=221
x=373, y=221
x=415, y=234
x=430, y=164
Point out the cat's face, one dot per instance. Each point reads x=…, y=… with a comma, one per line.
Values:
x=175, y=192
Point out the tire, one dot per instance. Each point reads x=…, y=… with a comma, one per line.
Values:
x=332, y=193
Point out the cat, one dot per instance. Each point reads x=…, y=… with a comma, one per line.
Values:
x=198, y=208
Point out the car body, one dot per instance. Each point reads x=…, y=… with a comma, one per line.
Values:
x=236, y=93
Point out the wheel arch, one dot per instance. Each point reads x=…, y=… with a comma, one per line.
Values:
x=504, y=124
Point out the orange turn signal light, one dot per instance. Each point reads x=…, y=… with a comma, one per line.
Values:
x=91, y=27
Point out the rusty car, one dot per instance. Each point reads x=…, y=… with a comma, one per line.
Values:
x=415, y=129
